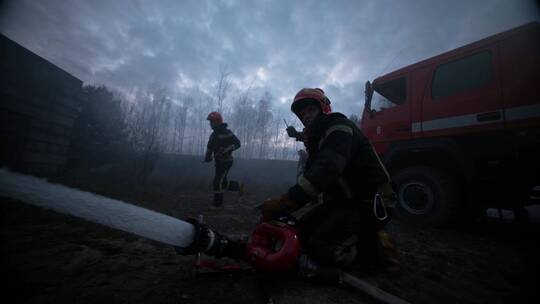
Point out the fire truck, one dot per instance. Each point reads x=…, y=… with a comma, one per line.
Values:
x=460, y=131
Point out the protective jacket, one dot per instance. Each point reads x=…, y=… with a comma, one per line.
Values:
x=222, y=143
x=341, y=163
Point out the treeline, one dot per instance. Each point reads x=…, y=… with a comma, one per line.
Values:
x=135, y=130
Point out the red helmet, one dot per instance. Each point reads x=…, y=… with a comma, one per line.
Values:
x=310, y=96
x=215, y=117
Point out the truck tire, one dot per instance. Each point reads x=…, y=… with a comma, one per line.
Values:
x=427, y=196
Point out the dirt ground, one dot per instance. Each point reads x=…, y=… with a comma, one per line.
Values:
x=52, y=258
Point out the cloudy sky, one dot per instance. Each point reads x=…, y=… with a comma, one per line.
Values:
x=279, y=46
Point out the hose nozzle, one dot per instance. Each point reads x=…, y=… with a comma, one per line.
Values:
x=212, y=243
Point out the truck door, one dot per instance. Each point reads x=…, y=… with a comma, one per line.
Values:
x=463, y=103
x=464, y=95
x=389, y=118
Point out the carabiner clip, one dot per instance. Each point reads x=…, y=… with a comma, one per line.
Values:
x=378, y=200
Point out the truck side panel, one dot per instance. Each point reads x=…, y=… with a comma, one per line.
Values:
x=520, y=65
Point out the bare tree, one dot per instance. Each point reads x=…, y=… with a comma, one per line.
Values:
x=147, y=121
x=277, y=131
x=222, y=87
x=264, y=118
x=179, y=127
x=243, y=116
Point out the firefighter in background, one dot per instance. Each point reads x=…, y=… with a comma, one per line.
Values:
x=347, y=229
x=221, y=144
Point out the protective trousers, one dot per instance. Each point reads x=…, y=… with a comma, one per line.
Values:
x=221, y=183
x=343, y=234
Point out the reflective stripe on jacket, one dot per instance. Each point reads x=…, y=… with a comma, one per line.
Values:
x=341, y=162
x=222, y=143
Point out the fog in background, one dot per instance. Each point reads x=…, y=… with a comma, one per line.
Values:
x=154, y=69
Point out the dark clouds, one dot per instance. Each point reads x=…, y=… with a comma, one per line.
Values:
x=281, y=46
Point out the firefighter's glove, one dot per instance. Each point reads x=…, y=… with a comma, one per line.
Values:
x=276, y=207
x=201, y=239
x=291, y=131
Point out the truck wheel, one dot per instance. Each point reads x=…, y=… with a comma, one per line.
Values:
x=427, y=196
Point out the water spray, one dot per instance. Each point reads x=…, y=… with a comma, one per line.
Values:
x=272, y=247
x=95, y=208
x=188, y=237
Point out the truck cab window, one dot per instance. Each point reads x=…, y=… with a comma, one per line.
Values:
x=460, y=75
x=389, y=94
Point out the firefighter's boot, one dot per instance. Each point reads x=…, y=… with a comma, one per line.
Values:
x=242, y=189
x=218, y=200
x=389, y=254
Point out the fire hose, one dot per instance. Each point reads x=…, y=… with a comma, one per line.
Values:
x=273, y=247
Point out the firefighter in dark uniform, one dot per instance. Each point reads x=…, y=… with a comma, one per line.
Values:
x=348, y=227
x=221, y=144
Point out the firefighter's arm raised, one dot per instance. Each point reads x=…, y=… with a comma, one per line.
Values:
x=291, y=131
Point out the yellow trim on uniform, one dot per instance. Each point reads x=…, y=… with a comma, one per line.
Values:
x=228, y=149
x=380, y=162
x=307, y=186
x=221, y=136
x=332, y=129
